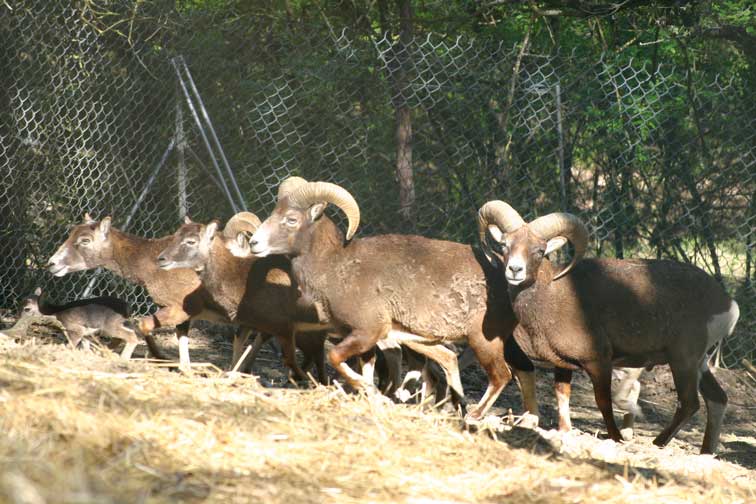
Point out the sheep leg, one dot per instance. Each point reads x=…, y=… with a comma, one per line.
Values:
x=490, y=355
x=716, y=400
x=116, y=329
x=241, y=338
x=432, y=384
x=164, y=317
x=368, y=360
x=356, y=343
x=312, y=345
x=428, y=383
x=562, y=389
x=182, y=334
x=524, y=370
x=259, y=341
x=320, y=360
x=447, y=359
x=412, y=383
x=686, y=379
x=390, y=382
x=601, y=377
x=381, y=369
x=625, y=397
x=74, y=335
x=288, y=349
x=466, y=358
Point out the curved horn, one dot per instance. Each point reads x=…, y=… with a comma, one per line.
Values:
x=288, y=185
x=243, y=222
x=501, y=214
x=315, y=192
x=567, y=225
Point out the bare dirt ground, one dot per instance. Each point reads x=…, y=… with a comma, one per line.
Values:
x=538, y=465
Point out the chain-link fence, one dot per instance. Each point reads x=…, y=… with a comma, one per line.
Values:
x=660, y=161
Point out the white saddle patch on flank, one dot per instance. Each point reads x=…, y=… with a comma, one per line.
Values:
x=722, y=324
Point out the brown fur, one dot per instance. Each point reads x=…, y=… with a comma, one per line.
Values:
x=179, y=292
x=634, y=313
x=104, y=314
x=255, y=292
x=436, y=289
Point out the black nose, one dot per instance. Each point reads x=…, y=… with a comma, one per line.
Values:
x=252, y=242
x=515, y=268
x=162, y=259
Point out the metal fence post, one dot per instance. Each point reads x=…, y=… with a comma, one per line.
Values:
x=180, y=156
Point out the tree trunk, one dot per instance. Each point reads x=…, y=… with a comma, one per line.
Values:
x=403, y=115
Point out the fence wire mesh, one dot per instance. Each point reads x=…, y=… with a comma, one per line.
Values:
x=661, y=162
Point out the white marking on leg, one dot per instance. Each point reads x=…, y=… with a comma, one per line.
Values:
x=355, y=379
x=626, y=390
x=410, y=385
x=563, y=409
x=128, y=350
x=183, y=343
x=368, y=371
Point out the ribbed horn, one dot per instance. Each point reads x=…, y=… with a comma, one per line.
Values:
x=243, y=222
x=567, y=225
x=315, y=192
x=288, y=185
x=501, y=214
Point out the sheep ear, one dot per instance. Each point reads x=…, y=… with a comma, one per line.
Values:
x=105, y=226
x=187, y=220
x=555, y=244
x=88, y=218
x=496, y=233
x=38, y=291
x=316, y=210
x=210, y=230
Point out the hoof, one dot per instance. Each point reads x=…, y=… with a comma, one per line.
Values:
x=627, y=433
x=660, y=442
x=528, y=421
x=403, y=395
x=472, y=417
x=617, y=438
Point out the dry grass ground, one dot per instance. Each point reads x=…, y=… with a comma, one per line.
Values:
x=88, y=427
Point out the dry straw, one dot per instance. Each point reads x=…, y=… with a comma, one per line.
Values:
x=87, y=427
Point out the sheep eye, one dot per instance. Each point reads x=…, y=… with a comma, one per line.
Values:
x=191, y=242
x=291, y=221
x=85, y=241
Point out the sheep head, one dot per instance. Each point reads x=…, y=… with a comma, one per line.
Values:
x=237, y=232
x=189, y=247
x=300, y=206
x=88, y=246
x=524, y=245
x=30, y=305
